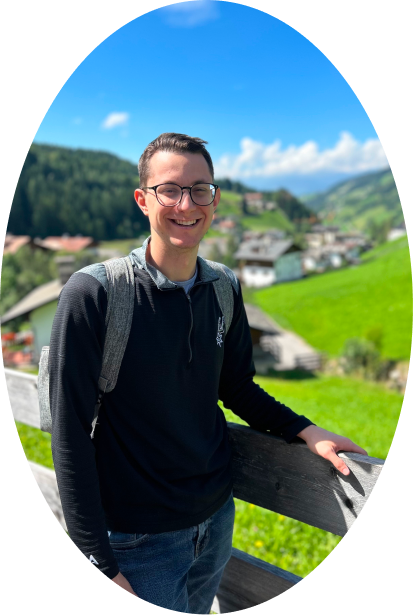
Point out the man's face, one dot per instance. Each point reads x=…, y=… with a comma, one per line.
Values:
x=184, y=169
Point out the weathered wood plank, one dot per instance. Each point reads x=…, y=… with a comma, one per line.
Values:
x=285, y=478
x=248, y=581
x=289, y=479
x=46, y=479
x=24, y=402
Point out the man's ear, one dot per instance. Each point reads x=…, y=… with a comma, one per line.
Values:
x=140, y=198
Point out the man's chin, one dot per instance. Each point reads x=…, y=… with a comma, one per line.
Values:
x=187, y=243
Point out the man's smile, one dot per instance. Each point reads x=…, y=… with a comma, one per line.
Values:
x=190, y=223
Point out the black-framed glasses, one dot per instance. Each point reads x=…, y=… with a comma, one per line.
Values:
x=171, y=194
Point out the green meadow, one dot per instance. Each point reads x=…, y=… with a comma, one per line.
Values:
x=366, y=412
x=328, y=309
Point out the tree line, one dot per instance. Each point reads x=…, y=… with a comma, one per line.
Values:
x=62, y=190
x=76, y=191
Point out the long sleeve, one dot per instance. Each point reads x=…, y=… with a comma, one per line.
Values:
x=75, y=360
x=241, y=394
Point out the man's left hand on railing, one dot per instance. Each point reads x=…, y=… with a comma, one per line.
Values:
x=327, y=444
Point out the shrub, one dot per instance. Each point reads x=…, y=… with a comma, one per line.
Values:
x=362, y=356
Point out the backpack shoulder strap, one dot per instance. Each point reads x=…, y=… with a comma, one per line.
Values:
x=119, y=314
x=227, y=281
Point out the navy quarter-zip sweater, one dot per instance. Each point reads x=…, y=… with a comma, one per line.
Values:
x=160, y=458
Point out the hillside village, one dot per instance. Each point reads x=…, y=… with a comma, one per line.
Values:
x=268, y=239
x=275, y=348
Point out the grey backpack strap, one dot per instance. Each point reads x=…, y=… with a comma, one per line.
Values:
x=223, y=289
x=43, y=391
x=119, y=314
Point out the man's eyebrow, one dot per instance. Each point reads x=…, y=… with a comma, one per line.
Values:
x=202, y=181
x=197, y=181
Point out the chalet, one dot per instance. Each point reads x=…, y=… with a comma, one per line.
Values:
x=210, y=247
x=13, y=243
x=275, y=348
x=254, y=200
x=321, y=235
x=267, y=236
x=227, y=225
x=263, y=264
x=330, y=256
x=40, y=305
x=67, y=243
x=397, y=232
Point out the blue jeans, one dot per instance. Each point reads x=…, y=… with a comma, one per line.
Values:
x=178, y=570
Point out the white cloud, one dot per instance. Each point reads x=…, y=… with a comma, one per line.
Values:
x=191, y=14
x=257, y=159
x=115, y=119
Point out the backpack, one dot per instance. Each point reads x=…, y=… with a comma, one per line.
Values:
x=119, y=314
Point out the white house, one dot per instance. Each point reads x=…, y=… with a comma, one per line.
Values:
x=396, y=232
x=321, y=235
x=263, y=264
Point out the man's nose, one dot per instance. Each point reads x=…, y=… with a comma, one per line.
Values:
x=186, y=201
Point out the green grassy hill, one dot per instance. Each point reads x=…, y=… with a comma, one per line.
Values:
x=231, y=205
x=354, y=202
x=328, y=309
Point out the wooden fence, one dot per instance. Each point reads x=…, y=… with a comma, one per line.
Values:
x=284, y=478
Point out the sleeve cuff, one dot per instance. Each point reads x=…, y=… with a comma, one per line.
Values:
x=291, y=431
x=110, y=570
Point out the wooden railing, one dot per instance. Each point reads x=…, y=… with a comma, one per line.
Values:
x=285, y=478
x=309, y=362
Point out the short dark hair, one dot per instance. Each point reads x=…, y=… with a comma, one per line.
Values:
x=172, y=142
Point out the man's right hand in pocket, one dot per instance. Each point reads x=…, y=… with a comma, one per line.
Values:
x=123, y=582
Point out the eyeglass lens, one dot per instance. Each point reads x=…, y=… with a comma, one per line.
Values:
x=170, y=194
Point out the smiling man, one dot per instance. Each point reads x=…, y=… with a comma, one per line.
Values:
x=149, y=500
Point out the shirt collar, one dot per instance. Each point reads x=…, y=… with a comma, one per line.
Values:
x=138, y=258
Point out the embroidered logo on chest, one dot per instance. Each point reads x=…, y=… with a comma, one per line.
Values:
x=221, y=330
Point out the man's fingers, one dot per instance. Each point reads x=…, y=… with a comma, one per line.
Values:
x=358, y=449
x=351, y=447
x=338, y=463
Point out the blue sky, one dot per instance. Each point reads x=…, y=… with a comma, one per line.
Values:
x=275, y=111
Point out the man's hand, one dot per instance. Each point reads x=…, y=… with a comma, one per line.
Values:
x=327, y=444
x=123, y=582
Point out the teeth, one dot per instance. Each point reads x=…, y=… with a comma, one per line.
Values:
x=186, y=222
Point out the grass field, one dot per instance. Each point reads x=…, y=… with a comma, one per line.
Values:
x=328, y=309
x=267, y=220
x=365, y=412
x=230, y=204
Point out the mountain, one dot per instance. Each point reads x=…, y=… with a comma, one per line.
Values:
x=233, y=186
x=75, y=191
x=356, y=201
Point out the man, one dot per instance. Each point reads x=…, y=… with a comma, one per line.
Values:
x=149, y=499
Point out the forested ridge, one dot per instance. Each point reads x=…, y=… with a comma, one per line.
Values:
x=78, y=191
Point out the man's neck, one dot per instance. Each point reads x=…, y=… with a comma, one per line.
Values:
x=176, y=264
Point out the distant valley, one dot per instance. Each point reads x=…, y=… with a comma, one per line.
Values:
x=356, y=201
